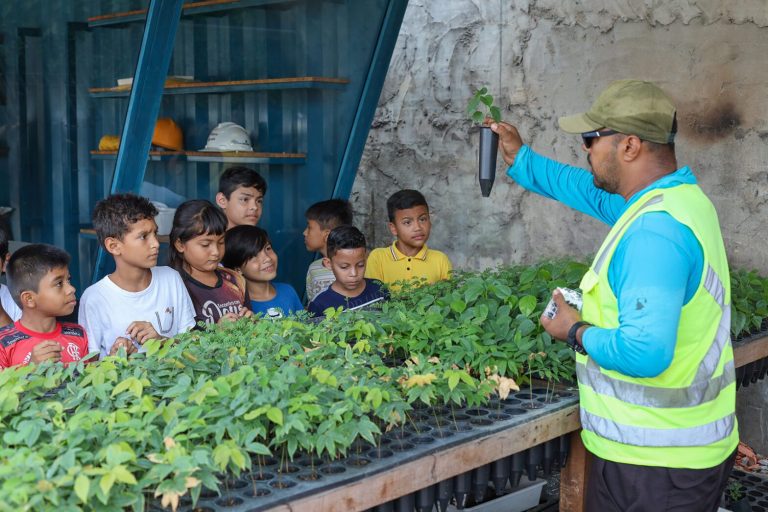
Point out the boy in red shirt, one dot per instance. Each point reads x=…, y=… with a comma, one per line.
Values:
x=38, y=278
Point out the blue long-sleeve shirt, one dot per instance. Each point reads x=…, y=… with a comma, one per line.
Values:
x=654, y=272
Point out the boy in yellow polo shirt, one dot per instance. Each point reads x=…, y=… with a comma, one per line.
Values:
x=408, y=257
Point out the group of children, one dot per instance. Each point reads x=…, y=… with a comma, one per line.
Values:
x=222, y=268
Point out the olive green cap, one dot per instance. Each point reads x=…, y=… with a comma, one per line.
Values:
x=632, y=107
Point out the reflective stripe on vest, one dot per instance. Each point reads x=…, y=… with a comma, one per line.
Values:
x=659, y=437
x=601, y=259
x=703, y=388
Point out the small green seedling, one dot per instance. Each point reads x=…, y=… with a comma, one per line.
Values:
x=475, y=109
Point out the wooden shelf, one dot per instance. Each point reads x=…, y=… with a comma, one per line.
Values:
x=262, y=84
x=90, y=234
x=243, y=157
x=188, y=9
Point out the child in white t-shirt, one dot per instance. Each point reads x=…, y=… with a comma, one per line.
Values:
x=9, y=310
x=138, y=301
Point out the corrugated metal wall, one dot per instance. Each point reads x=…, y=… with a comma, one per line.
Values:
x=50, y=122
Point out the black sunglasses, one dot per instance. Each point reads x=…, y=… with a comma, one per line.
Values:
x=589, y=137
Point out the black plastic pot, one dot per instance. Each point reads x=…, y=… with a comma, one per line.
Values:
x=444, y=495
x=516, y=468
x=533, y=459
x=742, y=505
x=462, y=484
x=425, y=499
x=500, y=474
x=405, y=503
x=489, y=147
x=550, y=454
x=480, y=477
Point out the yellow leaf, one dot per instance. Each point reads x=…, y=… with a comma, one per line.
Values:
x=170, y=499
x=169, y=443
x=153, y=457
x=191, y=482
x=420, y=380
x=44, y=486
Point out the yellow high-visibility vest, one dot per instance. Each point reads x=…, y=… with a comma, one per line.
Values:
x=686, y=416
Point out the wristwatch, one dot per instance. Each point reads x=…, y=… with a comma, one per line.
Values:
x=572, y=341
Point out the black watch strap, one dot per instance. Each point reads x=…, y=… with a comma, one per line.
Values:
x=572, y=341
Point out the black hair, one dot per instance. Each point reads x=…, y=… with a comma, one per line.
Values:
x=194, y=218
x=236, y=177
x=403, y=200
x=3, y=244
x=114, y=215
x=344, y=237
x=330, y=213
x=29, y=265
x=241, y=243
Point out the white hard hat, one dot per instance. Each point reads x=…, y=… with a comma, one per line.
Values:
x=228, y=137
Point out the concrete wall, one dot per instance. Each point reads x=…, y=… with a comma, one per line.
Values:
x=547, y=58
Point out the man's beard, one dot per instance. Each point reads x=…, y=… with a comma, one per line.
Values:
x=608, y=185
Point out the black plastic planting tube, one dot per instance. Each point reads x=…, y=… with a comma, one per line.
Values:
x=489, y=145
x=462, y=484
x=500, y=474
x=480, y=477
x=444, y=494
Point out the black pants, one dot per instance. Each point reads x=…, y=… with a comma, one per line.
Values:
x=616, y=487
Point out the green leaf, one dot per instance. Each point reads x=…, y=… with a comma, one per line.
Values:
x=496, y=114
x=458, y=305
x=527, y=304
x=487, y=99
x=82, y=486
x=221, y=456
x=275, y=415
x=123, y=475
x=472, y=105
x=478, y=117
x=106, y=483
x=453, y=380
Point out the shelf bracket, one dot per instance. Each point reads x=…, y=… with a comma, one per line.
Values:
x=144, y=104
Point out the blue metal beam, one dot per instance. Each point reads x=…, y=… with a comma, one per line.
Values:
x=144, y=103
x=377, y=72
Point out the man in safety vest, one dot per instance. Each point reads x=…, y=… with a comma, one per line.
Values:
x=654, y=358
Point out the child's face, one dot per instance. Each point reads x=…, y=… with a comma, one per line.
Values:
x=412, y=226
x=243, y=206
x=139, y=247
x=55, y=295
x=262, y=267
x=315, y=236
x=202, y=253
x=348, y=266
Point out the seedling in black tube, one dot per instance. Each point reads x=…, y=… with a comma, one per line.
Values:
x=489, y=141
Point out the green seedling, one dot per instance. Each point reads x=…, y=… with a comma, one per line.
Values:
x=481, y=105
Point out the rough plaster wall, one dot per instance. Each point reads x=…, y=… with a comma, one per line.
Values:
x=548, y=58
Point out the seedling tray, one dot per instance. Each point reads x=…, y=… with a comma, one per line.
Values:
x=756, y=488
x=434, y=445
x=751, y=358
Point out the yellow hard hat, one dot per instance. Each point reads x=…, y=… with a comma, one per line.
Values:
x=167, y=134
x=109, y=143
